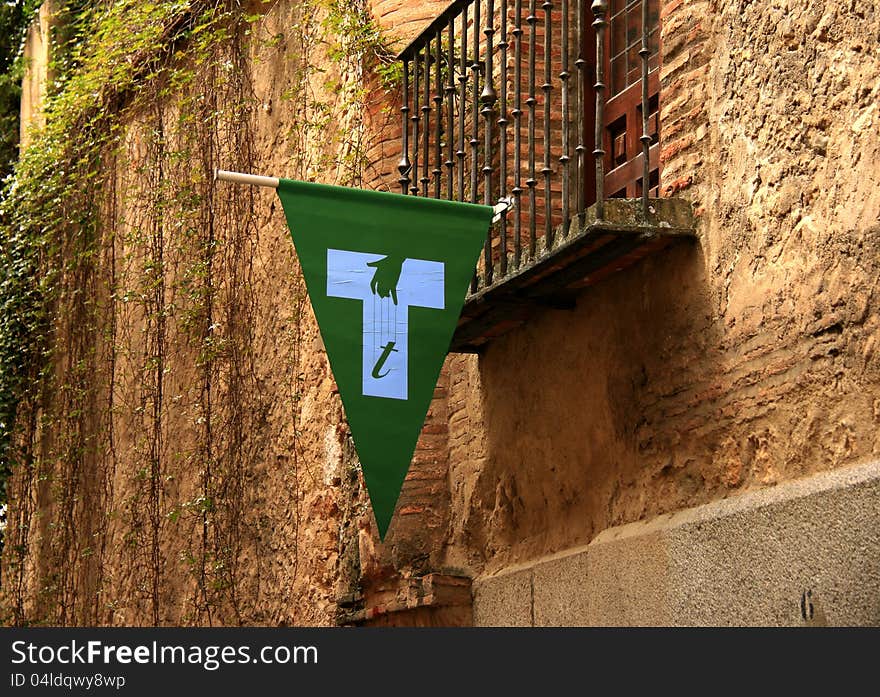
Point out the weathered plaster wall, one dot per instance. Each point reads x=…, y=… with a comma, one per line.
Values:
x=218, y=474
x=222, y=487
x=37, y=52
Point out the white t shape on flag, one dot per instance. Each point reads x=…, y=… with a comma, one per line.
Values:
x=385, y=324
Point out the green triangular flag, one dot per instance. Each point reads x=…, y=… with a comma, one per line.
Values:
x=387, y=276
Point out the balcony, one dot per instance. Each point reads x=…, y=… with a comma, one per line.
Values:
x=555, y=107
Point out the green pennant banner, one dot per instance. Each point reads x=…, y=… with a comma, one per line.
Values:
x=387, y=275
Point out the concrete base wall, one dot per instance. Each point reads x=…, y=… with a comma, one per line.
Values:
x=806, y=552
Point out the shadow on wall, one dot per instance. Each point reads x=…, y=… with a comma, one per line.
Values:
x=592, y=416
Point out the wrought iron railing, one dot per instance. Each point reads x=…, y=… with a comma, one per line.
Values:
x=508, y=98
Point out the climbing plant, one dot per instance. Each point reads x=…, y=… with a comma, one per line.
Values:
x=127, y=295
x=105, y=57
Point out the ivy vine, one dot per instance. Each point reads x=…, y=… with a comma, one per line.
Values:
x=108, y=225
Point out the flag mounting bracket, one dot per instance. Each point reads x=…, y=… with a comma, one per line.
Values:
x=503, y=205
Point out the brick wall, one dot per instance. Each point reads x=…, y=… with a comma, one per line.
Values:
x=416, y=536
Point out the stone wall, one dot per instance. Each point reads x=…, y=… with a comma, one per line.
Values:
x=37, y=53
x=803, y=553
x=737, y=363
x=732, y=364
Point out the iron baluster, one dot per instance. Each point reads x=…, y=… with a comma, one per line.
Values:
x=462, y=100
x=426, y=111
x=600, y=8
x=546, y=87
x=450, y=109
x=488, y=98
x=475, y=122
x=414, y=187
x=644, y=52
x=532, y=20
x=517, y=134
x=565, y=158
x=581, y=150
x=438, y=117
x=404, y=165
x=502, y=128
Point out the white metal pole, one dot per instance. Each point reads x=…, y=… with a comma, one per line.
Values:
x=272, y=182
x=240, y=178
